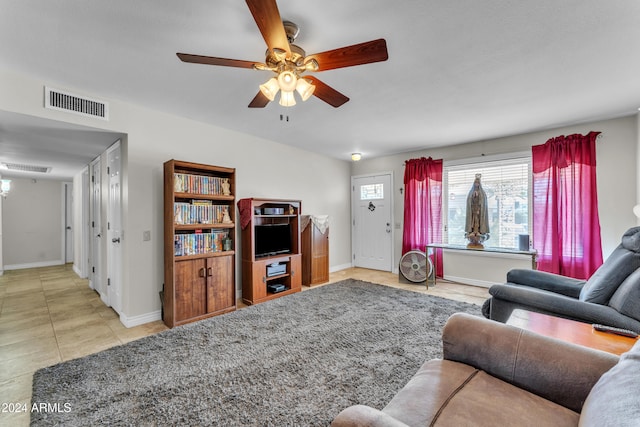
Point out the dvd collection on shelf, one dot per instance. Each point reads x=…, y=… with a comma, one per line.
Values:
x=198, y=212
x=199, y=243
x=198, y=184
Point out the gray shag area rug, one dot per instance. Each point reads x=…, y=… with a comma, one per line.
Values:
x=294, y=361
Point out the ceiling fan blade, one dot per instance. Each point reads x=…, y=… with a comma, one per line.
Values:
x=260, y=101
x=212, y=60
x=267, y=17
x=327, y=93
x=357, y=54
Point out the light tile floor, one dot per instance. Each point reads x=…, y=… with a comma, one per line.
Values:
x=49, y=315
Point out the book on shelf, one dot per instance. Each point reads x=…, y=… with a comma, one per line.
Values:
x=199, y=243
x=198, y=212
x=198, y=184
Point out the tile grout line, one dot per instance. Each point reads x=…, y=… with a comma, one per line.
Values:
x=53, y=328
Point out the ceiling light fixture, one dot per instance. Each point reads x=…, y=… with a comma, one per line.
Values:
x=288, y=68
x=286, y=83
x=356, y=156
x=5, y=186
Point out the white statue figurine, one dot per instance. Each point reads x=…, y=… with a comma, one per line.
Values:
x=226, y=219
x=226, y=187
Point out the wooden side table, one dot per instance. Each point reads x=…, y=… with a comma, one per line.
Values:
x=571, y=331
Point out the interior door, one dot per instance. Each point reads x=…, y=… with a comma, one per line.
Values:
x=114, y=229
x=95, y=218
x=68, y=222
x=372, y=230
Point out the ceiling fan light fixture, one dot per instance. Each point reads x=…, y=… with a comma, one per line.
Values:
x=287, y=99
x=311, y=65
x=270, y=88
x=305, y=89
x=287, y=81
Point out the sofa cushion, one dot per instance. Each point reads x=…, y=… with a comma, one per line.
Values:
x=604, y=282
x=447, y=393
x=631, y=239
x=626, y=299
x=487, y=401
x=613, y=401
x=428, y=391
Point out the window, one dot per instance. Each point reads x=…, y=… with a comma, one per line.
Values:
x=372, y=192
x=506, y=183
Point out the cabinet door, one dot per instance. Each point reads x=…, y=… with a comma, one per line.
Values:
x=320, y=256
x=295, y=271
x=220, y=283
x=190, y=289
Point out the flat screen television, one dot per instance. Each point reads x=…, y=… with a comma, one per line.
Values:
x=272, y=239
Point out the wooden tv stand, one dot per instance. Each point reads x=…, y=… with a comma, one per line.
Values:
x=256, y=274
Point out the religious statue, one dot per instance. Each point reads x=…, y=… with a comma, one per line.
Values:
x=477, y=223
x=226, y=219
x=226, y=187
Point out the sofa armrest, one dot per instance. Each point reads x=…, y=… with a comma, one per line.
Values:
x=556, y=370
x=365, y=416
x=546, y=281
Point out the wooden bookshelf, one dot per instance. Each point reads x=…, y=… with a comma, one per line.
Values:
x=199, y=233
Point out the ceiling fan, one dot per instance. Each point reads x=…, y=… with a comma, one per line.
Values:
x=290, y=62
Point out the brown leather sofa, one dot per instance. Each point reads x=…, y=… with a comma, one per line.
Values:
x=499, y=375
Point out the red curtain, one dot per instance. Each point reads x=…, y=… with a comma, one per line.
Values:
x=566, y=226
x=423, y=206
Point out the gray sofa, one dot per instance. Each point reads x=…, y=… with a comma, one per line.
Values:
x=611, y=296
x=493, y=374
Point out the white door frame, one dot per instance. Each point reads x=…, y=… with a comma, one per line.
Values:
x=67, y=222
x=86, y=262
x=115, y=234
x=391, y=216
x=83, y=225
x=95, y=228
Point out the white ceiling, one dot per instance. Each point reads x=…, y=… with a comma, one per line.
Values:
x=458, y=71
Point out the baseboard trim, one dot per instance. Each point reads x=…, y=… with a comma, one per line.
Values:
x=468, y=281
x=130, y=322
x=33, y=265
x=78, y=272
x=339, y=267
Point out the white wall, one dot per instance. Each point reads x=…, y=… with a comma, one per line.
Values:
x=32, y=218
x=264, y=169
x=638, y=163
x=1, y=257
x=80, y=223
x=617, y=170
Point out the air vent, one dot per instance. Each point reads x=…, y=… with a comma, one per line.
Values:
x=26, y=168
x=65, y=101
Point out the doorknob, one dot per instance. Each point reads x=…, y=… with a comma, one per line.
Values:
x=68, y=227
x=388, y=227
x=116, y=240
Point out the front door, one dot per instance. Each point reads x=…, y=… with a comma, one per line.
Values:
x=372, y=231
